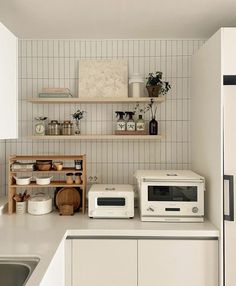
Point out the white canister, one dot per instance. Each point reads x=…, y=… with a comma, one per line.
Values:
x=21, y=207
x=136, y=85
x=40, y=204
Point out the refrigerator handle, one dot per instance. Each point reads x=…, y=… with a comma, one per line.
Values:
x=230, y=216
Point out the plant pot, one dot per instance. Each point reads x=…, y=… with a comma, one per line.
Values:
x=153, y=90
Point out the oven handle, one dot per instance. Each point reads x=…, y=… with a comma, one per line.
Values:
x=172, y=181
x=230, y=216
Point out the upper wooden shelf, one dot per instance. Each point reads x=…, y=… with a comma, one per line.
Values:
x=94, y=100
x=46, y=157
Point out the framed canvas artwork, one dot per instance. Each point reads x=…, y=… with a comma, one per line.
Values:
x=103, y=78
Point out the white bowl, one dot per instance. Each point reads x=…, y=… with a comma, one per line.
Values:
x=23, y=180
x=43, y=180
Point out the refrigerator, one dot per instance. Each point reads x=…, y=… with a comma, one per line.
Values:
x=229, y=162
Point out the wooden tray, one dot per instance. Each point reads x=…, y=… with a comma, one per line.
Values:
x=68, y=196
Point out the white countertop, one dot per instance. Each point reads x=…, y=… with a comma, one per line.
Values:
x=40, y=236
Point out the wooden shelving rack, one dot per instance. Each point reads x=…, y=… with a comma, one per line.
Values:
x=12, y=186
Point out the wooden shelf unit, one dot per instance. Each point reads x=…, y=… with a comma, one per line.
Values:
x=12, y=186
x=38, y=100
x=97, y=137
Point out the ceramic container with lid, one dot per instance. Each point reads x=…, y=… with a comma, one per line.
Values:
x=136, y=85
x=40, y=204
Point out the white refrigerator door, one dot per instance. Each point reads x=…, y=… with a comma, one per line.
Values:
x=229, y=183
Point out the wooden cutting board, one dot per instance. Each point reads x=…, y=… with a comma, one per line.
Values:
x=68, y=196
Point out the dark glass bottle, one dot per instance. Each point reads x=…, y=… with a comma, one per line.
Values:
x=153, y=127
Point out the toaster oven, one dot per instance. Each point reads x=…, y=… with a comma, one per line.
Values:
x=111, y=201
x=171, y=195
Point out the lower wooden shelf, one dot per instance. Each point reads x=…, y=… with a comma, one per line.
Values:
x=97, y=137
x=53, y=184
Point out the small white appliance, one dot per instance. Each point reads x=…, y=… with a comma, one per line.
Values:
x=40, y=204
x=111, y=201
x=171, y=195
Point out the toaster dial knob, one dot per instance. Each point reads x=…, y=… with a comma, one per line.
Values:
x=150, y=209
x=195, y=210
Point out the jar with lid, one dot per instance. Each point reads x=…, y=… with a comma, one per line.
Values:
x=54, y=128
x=136, y=85
x=67, y=127
x=69, y=178
x=79, y=165
x=78, y=179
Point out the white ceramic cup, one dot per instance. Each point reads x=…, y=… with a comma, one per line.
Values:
x=21, y=207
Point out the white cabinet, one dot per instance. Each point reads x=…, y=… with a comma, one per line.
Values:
x=178, y=262
x=55, y=274
x=130, y=262
x=213, y=107
x=8, y=84
x=104, y=262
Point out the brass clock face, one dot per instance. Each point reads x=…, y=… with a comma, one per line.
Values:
x=39, y=129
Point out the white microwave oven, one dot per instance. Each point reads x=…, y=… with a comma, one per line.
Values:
x=111, y=201
x=171, y=195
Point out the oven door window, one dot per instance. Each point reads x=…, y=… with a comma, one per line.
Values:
x=109, y=201
x=172, y=193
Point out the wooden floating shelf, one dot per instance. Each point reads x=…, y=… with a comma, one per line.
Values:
x=98, y=137
x=95, y=100
x=53, y=184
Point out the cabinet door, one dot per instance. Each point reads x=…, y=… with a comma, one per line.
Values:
x=104, y=262
x=8, y=84
x=178, y=262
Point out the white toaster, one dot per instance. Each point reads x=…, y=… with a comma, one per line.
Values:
x=111, y=201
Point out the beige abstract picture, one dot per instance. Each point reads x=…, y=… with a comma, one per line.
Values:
x=103, y=78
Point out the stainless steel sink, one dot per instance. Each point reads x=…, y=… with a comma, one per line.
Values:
x=16, y=271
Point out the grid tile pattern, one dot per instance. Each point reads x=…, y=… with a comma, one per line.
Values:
x=54, y=63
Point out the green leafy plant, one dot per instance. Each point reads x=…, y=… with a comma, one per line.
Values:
x=78, y=115
x=155, y=79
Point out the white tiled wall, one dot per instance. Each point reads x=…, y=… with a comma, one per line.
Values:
x=54, y=63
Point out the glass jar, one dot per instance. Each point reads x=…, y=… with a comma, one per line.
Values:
x=54, y=128
x=67, y=127
x=78, y=165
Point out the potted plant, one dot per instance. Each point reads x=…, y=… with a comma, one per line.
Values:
x=156, y=86
x=78, y=115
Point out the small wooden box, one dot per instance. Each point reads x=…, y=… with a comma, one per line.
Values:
x=66, y=210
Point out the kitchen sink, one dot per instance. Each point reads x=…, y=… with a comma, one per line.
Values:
x=16, y=271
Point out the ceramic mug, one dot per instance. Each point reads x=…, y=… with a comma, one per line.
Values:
x=21, y=207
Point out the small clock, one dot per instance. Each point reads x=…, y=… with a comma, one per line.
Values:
x=39, y=127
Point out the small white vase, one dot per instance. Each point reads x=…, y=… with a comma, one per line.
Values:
x=77, y=127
